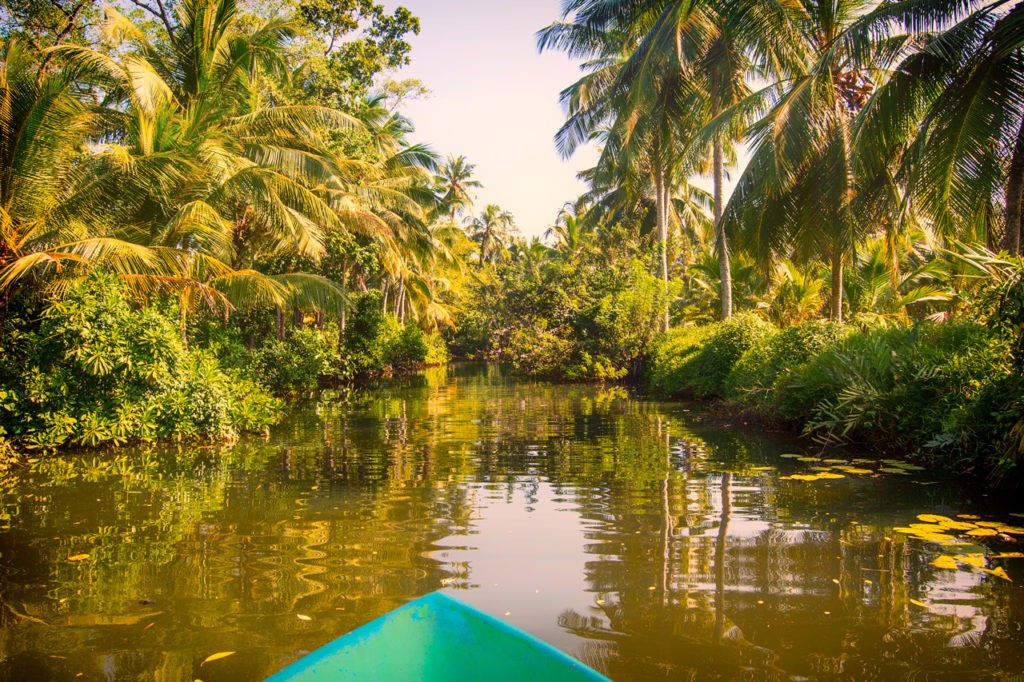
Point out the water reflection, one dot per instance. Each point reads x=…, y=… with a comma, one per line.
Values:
x=614, y=528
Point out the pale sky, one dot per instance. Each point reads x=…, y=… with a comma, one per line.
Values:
x=494, y=99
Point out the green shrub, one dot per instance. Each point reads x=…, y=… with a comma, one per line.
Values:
x=537, y=352
x=405, y=347
x=437, y=349
x=696, y=361
x=296, y=364
x=771, y=361
x=902, y=388
x=94, y=370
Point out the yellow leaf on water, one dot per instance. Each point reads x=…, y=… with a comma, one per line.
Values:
x=957, y=525
x=805, y=477
x=859, y=472
x=78, y=557
x=946, y=562
x=976, y=560
x=999, y=572
x=989, y=524
x=217, y=656
x=915, y=602
x=969, y=517
x=831, y=476
x=1012, y=530
x=302, y=616
x=1009, y=555
x=933, y=518
x=982, y=532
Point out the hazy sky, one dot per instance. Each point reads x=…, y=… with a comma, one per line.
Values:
x=494, y=99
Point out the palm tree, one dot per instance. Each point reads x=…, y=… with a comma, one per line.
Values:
x=572, y=231
x=201, y=171
x=641, y=117
x=717, y=45
x=801, y=186
x=455, y=182
x=491, y=230
x=43, y=132
x=953, y=109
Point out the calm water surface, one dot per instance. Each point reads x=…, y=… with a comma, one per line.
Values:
x=614, y=528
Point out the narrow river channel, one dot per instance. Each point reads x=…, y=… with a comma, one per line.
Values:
x=617, y=529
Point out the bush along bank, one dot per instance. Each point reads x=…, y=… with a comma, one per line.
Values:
x=951, y=393
x=87, y=368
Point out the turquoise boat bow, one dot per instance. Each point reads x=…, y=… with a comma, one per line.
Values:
x=437, y=638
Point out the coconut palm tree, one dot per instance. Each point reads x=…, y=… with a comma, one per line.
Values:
x=491, y=230
x=801, y=186
x=641, y=117
x=43, y=133
x=455, y=183
x=200, y=170
x=952, y=110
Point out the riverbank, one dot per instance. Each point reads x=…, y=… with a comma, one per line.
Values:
x=946, y=393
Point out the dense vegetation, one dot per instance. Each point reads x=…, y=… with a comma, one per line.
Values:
x=199, y=200
x=202, y=207
x=886, y=165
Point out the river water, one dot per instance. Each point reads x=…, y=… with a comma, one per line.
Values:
x=619, y=530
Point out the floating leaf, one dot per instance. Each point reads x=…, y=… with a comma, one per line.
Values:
x=894, y=470
x=933, y=518
x=989, y=524
x=976, y=560
x=1009, y=555
x=805, y=477
x=791, y=456
x=1012, y=530
x=905, y=530
x=946, y=562
x=859, y=472
x=217, y=656
x=831, y=476
x=927, y=527
x=999, y=572
x=969, y=517
x=78, y=557
x=982, y=532
x=915, y=602
x=807, y=459
x=302, y=616
x=957, y=525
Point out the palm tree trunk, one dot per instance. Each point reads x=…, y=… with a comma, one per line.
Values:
x=298, y=318
x=836, y=300
x=724, y=266
x=183, y=322
x=1014, y=193
x=661, y=210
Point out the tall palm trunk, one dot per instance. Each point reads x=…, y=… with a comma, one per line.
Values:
x=661, y=210
x=1014, y=194
x=724, y=266
x=844, y=234
x=836, y=299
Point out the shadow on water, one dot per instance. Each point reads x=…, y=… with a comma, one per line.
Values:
x=615, y=528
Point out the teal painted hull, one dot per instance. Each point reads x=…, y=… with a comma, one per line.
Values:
x=437, y=638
